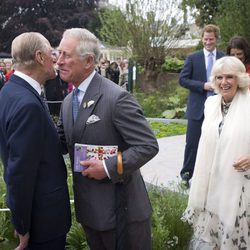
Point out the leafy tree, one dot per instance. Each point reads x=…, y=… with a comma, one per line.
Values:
x=233, y=19
x=113, y=29
x=205, y=10
x=147, y=27
x=50, y=17
x=230, y=15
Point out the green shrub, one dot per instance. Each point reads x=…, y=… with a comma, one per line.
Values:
x=163, y=103
x=76, y=239
x=168, y=231
x=172, y=64
x=7, y=240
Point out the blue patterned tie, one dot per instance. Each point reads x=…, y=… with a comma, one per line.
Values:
x=75, y=103
x=210, y=63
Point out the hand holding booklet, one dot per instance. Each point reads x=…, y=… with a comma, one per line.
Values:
x=86, y=152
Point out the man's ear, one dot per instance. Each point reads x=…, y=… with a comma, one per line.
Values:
x=89, y=61
x=39, y=57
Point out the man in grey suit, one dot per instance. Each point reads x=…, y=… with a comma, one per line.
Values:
x=195, y=77
x=108, y=115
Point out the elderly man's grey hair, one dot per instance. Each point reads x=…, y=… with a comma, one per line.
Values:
x=232, y=66
x=88, y=42
x=25, y=46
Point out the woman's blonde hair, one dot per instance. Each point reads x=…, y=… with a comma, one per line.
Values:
x=232, y=66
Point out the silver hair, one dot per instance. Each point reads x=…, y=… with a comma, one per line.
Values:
x=233, y=66
x=25, y=46
x=88, y=42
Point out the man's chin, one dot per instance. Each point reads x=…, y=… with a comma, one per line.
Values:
x=63, y=77
x=52, y=76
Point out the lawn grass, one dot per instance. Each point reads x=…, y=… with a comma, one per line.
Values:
x=162, y=129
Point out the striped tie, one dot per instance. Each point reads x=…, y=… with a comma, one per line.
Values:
x=75, y=103
x=210, y=63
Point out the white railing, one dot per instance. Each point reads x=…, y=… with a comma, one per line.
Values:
x=7, y=209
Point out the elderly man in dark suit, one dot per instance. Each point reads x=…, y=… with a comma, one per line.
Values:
x=108, y=115
x=34, y=169
x=195, y=77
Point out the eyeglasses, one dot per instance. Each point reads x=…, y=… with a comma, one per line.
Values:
x=228, y=78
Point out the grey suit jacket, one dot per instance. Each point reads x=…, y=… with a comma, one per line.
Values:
x=121, y=123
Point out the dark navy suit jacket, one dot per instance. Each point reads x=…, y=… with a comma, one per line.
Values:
x=193, y=76
x=34, y=169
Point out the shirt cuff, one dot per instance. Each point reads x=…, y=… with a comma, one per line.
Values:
x=105, y=168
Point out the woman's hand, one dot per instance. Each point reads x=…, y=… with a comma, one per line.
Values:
x=242, y=164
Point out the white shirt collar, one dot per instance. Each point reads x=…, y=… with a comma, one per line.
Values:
x=33, y=83
x=84, y=85
x=206, y=52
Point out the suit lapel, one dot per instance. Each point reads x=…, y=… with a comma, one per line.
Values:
x=67, y=117
x=21, y=82
x=203, y=67
x=92, y=94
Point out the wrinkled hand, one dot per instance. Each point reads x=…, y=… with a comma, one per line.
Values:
x=23, y=240
x=208, y=86
x=242, y=164
x=95, y=169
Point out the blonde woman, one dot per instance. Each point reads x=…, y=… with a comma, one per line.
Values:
x=218, y=207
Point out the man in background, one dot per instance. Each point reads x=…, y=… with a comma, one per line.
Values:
x=55, y=90
x=195, y=77
x=34, y=169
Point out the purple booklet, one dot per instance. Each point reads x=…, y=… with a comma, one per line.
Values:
x=86, y=152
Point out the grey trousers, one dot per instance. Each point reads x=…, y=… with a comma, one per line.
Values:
x=139, y=237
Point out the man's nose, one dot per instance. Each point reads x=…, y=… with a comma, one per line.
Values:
x=59, y=60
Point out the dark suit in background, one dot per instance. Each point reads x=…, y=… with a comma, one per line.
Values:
x=55, y=90
x=194, y=77
x=120, y=122
x=34, y=169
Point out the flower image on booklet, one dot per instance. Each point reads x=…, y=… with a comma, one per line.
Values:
x=86, y=152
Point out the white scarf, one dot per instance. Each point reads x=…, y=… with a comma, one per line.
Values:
x=216, y=185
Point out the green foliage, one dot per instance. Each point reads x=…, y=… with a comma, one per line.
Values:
x=205, y=10
x=230, y=15
x=174, y=109
x=140, y=28
x=7, y=240
x=76, y=239
x=172, y=64
x=163, y=103
x=70, y=177
x=229, y=12
x=161, y=129
x=169, y=232
x=114, y=29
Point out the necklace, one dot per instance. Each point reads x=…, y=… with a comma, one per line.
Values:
x=225, y=107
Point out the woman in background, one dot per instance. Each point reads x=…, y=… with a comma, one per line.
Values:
x=239, y=47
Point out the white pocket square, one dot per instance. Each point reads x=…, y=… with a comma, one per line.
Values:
x=93, y=119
